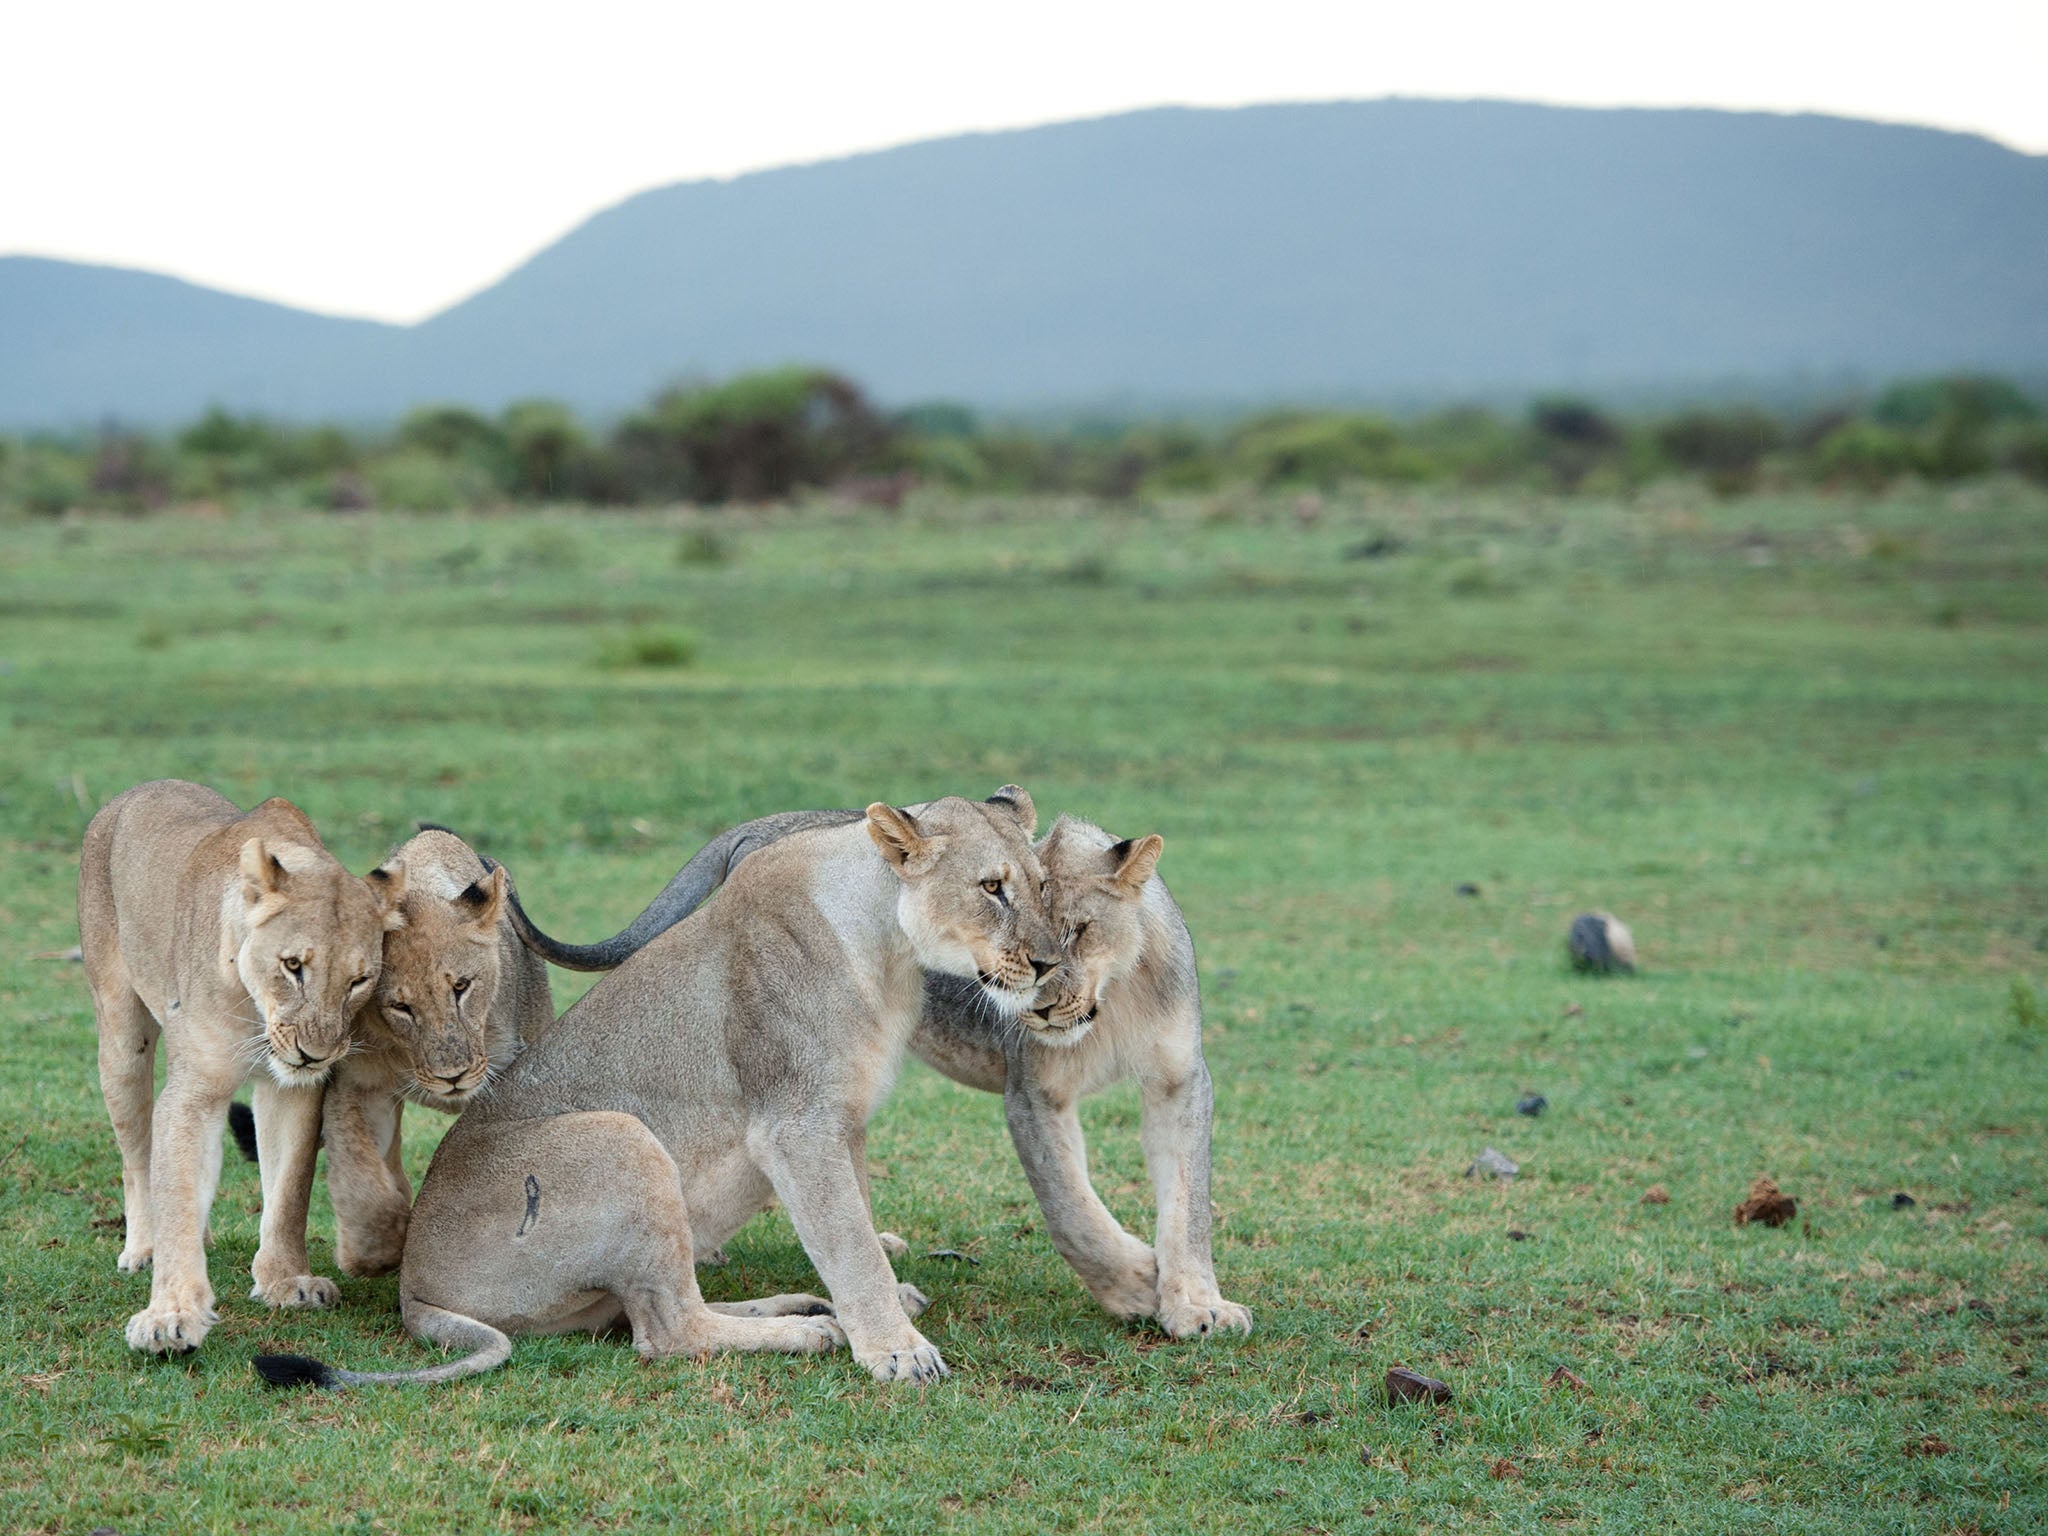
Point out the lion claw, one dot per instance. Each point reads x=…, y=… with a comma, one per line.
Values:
x=170, y=1330
x=296, y=1291
x=1195, y=1320
x=919, y=1366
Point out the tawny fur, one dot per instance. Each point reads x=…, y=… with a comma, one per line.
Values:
x=238, y=940
x=458, y=998
x=733, y=1061
x=1125, y=1004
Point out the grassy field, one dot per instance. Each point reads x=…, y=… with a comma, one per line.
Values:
x=1800, y=744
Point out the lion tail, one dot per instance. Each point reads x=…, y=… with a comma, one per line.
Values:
x=488, y=1348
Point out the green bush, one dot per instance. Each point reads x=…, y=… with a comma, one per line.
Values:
x=1324, y=451
x=413, y=480
x=542, y=439
x=648, y=647
x=48, y=481
x=1864, y=454
x=1725, y=448
x=757, y=437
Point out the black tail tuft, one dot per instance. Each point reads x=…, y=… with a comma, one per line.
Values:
x=293, y=1371
x=242, y=1125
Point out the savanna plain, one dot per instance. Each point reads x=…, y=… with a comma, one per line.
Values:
x=1799, y=742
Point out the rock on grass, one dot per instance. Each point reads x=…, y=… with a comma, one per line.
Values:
x=1601, y=943
x=1767, y=1204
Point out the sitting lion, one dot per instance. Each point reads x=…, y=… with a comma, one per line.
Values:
x=241, y=941
x=733, y=1060
x=1125, y=1004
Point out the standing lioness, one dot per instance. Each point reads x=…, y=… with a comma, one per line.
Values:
x=734, y=1060
x=240, y=940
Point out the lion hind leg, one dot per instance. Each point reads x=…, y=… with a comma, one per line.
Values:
x=128, y=1037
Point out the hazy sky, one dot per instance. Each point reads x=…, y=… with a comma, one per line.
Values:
x=386, y=159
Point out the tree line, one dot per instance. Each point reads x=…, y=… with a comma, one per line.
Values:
x=772, y=435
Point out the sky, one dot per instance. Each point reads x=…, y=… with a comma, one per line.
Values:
x=387, y=159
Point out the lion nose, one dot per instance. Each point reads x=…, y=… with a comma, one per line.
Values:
x=1041, y=968
x=1044, y=1013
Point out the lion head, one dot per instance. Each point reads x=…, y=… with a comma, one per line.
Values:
x=972, y=898
x=1096, y=892
x=312, y=948
x=436, y=998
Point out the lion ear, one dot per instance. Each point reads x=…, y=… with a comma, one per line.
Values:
x=1018, y=803
x=1135, y=860
x=485, y=899
x=902, y=842
x=387, y=884
x=262, y=874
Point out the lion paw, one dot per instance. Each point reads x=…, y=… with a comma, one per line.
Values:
x=919, y=1365
x=818, y=1335
x=893, y=1245
x=794, y=1304
x=1199, y=1319
x=134, y=1260
x=915, y=1302
x=296, y=1291
x=170, y=1330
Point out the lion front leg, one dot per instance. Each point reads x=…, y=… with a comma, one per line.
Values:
x=1175, y=1132
x=1119, y=1270
x=190, y=1114
x=365, y=1181
x=814, y=1174
x=287, y=1145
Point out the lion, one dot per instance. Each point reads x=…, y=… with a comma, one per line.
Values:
x=237, y=938
x=458, y=998
x=733, y=1060
x=1125, y=1004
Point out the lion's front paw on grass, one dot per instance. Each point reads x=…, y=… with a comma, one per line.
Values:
x=296, y=1291
x=1199, y=1319
x=134, y=1260
x=172, y=1329
x=918, y=1365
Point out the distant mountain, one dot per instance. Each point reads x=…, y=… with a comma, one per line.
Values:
x=80, y=343
x=1364, y=250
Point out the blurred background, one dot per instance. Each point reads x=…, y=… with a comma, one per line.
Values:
x=444, y=257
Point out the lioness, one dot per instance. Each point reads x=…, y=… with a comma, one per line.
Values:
x=458, y=997
x=240, y=940
x=734, y=1059
x=1125, y=1003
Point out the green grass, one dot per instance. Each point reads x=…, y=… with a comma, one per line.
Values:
x=1800, y=744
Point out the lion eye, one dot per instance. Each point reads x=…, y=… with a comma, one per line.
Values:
x=401, y=1010
x=462, y=986
x=359, y=983
x=1075, y=936
x=293, y=964
x=993, y=887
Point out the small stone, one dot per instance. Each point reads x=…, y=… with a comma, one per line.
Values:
x=1517, y=1235
x=1901, y=1200
x=1496, y=1164
x=1468, y=889
x=1406, y=1386
x=1600, y=942
x=1531, y=1104
x=1656, y=1194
